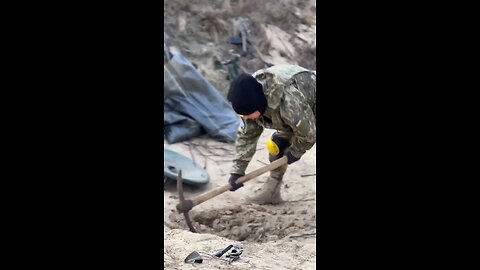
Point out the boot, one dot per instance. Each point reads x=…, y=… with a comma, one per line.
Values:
x=269, y=193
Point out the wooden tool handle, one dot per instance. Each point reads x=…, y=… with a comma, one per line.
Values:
x=215, y=192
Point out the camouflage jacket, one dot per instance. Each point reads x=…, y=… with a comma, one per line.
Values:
x=291, y=95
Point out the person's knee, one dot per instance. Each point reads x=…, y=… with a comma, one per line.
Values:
x=276, y=146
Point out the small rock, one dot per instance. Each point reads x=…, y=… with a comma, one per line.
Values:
x=235, y=230
x=287, y=186
x=215, y=222
x=258, y=234
x=236, y=222
x=272, y=237
x=303, y=212
x=237, y=209
x=259, y=208
x=226, y=218
x=218, y=227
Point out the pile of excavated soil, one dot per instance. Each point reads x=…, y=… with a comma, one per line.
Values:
x=252, y=222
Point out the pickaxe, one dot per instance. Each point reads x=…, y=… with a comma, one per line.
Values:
x=186, y=205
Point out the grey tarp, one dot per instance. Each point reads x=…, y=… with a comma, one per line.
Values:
x=188, y=99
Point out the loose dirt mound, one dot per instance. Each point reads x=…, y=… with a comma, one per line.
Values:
x=251, y=222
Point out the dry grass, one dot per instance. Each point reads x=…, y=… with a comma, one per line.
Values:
x=197, y=22
x=307, y=56
x=227, y=7
x=214, y=23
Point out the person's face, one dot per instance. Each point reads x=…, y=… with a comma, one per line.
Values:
x=253, y=115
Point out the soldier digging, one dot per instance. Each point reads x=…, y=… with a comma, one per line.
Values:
x=283, y=98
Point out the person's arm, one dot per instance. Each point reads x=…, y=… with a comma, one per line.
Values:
x=245, y=146
x=296, y=113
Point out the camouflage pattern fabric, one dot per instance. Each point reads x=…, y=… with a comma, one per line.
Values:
x=291, y=95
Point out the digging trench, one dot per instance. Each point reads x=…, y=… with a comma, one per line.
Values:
x=251, y=222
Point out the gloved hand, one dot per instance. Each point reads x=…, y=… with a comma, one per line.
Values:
x=233, y=179
x=291, y=158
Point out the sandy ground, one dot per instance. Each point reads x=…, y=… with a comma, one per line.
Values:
x=274, y=237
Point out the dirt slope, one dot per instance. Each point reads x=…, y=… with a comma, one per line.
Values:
x=282, y=31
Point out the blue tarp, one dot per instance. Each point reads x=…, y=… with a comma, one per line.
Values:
x=193, y=106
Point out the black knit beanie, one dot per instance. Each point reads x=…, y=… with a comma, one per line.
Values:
x=246, y=95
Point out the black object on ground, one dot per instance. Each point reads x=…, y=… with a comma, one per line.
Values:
x=234, y=253
x=194, y=257
x=231, y=252
x=221, y=252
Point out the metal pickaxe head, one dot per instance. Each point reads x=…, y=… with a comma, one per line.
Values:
x=185, y=205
